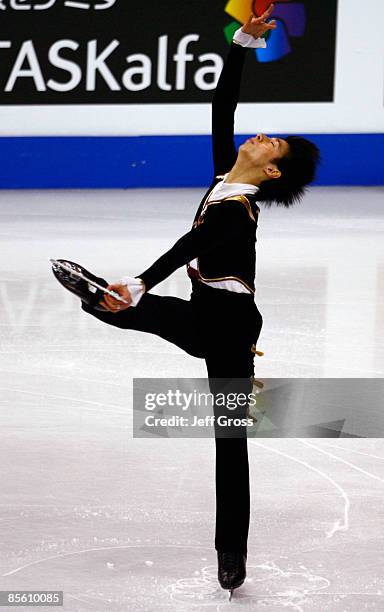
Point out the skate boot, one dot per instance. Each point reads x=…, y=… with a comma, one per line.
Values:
x=75, y=278
x=231, y=570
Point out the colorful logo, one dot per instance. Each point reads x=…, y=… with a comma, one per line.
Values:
x=290, y=18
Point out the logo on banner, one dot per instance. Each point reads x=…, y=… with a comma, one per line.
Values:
x=290, y=18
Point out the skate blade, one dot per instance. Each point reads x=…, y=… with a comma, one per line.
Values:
x=230, y=594
x=59, y=265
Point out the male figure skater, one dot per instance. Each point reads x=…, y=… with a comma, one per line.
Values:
x=220, y=323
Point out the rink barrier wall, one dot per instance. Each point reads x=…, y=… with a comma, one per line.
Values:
x=101, y=162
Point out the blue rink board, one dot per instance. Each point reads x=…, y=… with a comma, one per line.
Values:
x=82, y=162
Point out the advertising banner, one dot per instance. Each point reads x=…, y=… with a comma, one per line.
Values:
x=60, y=52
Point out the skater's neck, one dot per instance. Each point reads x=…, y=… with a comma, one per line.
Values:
x=243, y=176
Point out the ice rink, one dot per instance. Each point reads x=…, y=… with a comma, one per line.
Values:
x=122, y=524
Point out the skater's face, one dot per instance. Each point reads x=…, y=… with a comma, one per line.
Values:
x=261, y=152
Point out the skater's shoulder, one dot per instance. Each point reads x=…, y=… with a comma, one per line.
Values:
x=247, y=201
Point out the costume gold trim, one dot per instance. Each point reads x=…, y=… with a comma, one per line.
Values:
x=238, y=198
x=212, y=280
x=253, y=349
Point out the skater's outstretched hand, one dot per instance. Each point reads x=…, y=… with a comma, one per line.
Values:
x=257, y=26
x=109, y=303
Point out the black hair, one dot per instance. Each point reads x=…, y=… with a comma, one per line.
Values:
x=298, y=169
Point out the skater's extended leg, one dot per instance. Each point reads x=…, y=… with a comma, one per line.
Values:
x=232, y=468
x=229, y=363
x=171, y=318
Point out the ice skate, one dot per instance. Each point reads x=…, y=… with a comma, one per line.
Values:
x=88, y=287
x=231, y=570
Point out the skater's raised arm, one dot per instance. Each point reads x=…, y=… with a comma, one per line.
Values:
x=227, y=92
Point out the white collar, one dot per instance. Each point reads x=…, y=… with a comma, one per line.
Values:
x=225, y=190
x=248, y=187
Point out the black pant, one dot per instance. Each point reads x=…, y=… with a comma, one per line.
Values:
x=219, y=326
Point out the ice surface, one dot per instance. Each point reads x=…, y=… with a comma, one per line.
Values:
x=123, y=524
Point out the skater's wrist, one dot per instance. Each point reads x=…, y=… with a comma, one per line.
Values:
x=136, y=288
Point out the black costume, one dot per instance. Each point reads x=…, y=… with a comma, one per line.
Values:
x=217, y=325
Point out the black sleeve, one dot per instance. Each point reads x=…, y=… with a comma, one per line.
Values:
x=224, y=104
x=223, y=222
